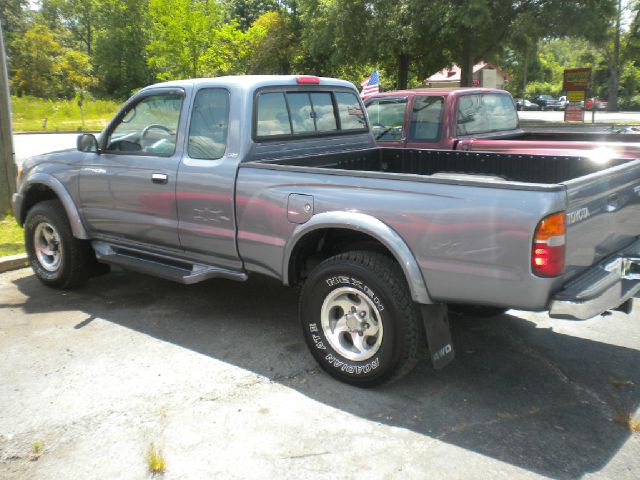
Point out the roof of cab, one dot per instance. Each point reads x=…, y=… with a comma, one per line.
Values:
x=250, y=82
x=436, y=91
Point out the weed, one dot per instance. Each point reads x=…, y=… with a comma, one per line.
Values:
x=621, y=382
x=36, y=450
x=628, y=421
x=155, y=460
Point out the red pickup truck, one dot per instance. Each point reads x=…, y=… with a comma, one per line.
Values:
x=478, y=119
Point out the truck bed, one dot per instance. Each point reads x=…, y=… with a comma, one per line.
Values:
x=468, y=217
x=537, y=169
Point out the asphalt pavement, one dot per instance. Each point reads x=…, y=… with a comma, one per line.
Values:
x=217, y=375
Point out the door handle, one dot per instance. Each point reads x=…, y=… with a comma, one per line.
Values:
x=159, y=178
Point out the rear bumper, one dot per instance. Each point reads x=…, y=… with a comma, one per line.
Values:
x=603, y=287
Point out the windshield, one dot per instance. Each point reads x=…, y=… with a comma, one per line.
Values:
x=485, y=113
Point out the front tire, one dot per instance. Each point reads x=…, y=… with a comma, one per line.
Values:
x=359, y=320
x=57, y=258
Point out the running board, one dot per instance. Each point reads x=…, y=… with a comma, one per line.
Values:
x=169, y=268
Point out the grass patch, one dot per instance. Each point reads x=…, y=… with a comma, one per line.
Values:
x=11, y=237
x=29, y=114
x=156, y=463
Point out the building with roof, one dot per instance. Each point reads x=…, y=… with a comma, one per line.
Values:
x=484, y=75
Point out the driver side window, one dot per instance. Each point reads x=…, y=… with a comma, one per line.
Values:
x=149, y=127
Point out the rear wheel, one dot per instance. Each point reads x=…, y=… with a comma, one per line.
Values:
x=359, y=320
x=57, y=258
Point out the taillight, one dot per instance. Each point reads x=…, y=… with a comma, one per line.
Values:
x=308, y=80
x=547, y=254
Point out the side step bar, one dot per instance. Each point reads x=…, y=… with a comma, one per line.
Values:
x=168, y=268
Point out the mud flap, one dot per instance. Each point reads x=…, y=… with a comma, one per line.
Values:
x=436, y=326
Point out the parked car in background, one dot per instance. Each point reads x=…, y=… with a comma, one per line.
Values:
x=564, y=101
x=524, y=104
x=589, y=104
x=547, y=102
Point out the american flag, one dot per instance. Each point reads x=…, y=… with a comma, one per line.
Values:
x=370, y=85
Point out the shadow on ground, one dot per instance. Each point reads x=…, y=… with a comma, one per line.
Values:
x=536, y=399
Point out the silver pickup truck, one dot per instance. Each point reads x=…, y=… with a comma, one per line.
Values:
x=217, y=178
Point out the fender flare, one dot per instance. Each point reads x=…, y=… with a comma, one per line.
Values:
x=77, y=227
x=373, y=227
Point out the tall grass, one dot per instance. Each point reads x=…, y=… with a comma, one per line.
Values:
x=30, y=113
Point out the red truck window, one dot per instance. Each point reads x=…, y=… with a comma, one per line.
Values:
x=387, y=117
x=485, y=113
x=426, y=118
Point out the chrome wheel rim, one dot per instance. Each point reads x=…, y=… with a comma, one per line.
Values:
x=351, y=324
x=48, y=247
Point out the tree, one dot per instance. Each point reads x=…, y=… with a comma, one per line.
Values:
x=184, y=35
x=120, y=57
x=246, y=12
x=271, y=42
x=36, y=66
x=479, y=29
x=79, y=17
x=14, y=16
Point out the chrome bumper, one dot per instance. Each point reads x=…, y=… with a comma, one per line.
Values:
x=603, y=287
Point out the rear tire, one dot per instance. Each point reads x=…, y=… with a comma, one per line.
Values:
x=57, y=258
x=359, y=320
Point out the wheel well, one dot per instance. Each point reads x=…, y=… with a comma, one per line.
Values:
x=319, y=245
x=36, y=194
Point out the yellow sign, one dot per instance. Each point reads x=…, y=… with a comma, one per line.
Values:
x=575, y=95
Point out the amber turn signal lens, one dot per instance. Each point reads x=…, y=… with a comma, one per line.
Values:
x=548, y=251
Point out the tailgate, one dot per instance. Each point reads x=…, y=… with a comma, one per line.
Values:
x=603, y=215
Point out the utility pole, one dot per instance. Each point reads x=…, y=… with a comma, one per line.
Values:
x=7, y=164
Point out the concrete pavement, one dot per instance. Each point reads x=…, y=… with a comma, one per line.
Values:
x=217, y=374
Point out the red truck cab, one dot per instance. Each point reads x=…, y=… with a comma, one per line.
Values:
x=439, y=118
x=479, y=119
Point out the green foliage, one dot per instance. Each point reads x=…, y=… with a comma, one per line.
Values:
x=29, y=114
x=36, y=68
x=185, y=36
x=120, y=60
x=543, y=88
x=111, y=48
x=270, y=42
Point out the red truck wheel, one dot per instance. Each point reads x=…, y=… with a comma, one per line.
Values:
x=359, y=320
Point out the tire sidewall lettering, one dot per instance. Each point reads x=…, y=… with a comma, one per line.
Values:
x=317, y=339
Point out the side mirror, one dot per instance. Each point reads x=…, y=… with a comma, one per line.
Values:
x=87, y=143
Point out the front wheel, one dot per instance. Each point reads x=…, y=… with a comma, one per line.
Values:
x=359, y=320
x=57, y=258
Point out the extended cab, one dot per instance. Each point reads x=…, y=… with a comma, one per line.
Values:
x=478, y=119
x=226, y=177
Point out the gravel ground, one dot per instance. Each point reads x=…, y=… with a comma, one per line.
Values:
x=217, y=376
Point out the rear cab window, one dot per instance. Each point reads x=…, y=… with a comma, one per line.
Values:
x=305, y=112
x=485, y=113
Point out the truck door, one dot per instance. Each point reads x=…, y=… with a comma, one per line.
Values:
x=127, y=190
x=387, y=118
x=425, y=122
x=206, y=180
